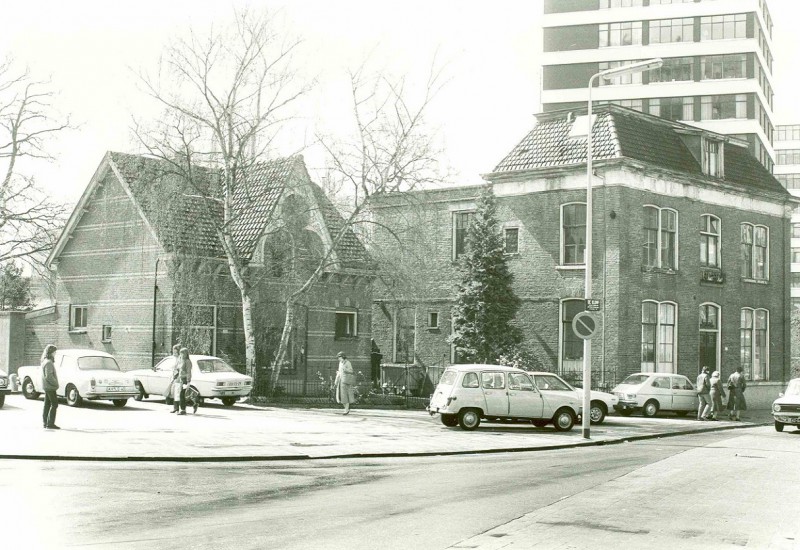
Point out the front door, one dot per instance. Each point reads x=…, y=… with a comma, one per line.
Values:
x=494, y=391
x=661, y=390
x=708, y=351
x=524, y=401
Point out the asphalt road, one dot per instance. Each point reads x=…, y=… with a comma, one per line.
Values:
x=403, y=503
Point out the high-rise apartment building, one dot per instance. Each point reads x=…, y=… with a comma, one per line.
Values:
x=787, y=171
x=717, y=71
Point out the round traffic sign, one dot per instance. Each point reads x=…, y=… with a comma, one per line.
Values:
x=584, y=324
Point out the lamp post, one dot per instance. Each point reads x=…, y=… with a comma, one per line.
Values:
x=638, y=67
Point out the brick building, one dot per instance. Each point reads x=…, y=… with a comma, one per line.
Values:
x=139, y=267
x=690, y=240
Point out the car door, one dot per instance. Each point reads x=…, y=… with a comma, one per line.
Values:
x=661, y=390
x=494, y=392
x=524, y=400
x=66, y=370
x=158, y=379
x=684, y=394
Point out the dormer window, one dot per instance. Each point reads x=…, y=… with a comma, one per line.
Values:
x=713, y=158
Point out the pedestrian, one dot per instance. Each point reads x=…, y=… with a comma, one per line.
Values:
x=717, y=394
x=345, y=382
x=50, y=385
x=703, y=394
x=736, y=387
x=169, y=392
x=183, y=379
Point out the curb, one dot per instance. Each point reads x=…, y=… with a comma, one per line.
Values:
x=276, y=458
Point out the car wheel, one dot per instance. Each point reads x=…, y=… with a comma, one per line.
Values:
x=139, y=396
x=650, y=408
x=119, y=403
x=681, y=413
x=539, y=422
x=229, y=401
x=450, y=420
x=469, y=419
x=626, y=412
x=73, y=397
x=28, y=389
x=778, y=426
x=563, y=420
x=597, y=412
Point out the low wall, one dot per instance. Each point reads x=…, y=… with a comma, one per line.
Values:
x=760, y=395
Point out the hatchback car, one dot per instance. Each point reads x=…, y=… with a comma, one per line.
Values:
x=786, y=409
x=600, y=402
x=650, y=392
x=468, y=393
x=82, y=374
x=212, y=378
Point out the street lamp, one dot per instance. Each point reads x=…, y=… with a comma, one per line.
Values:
x=638, y=67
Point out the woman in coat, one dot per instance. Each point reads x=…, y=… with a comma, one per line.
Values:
x=736, y=387
x=717, y=395
x=183, y=379
x=345, y=382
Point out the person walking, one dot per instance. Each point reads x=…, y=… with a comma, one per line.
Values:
x=183, y=379
x=717, y=393
x=170, y=391
x=703, y=394
x=736, y=387
x=50, y=385
x=345, y=382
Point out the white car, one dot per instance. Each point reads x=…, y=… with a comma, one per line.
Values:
x=600, y=402
x=467, y=393
x=212, y=378
x=82, y=374
x=786, y=408
x=651, y=392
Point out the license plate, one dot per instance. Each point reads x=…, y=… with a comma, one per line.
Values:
x=115, y=388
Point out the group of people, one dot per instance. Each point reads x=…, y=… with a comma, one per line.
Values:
x=179, y=389
x=710, y=392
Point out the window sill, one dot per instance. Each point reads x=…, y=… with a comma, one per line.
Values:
x=433, y=329
x=105, y=341
x=663, y=270
x=345, y=338
x=755, y=281
x=77, y=331
x=575, y=267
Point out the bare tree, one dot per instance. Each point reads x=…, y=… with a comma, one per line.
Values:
x=29, y=220
x=225, y=96
x=392, y=149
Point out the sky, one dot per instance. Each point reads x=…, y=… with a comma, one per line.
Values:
x=92, y=50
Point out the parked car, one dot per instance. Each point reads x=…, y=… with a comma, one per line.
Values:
x=786, y=408
x=600, y=402
x=212, y=378
x=4, y=387
x=650, y=392
x=468, y=393
x=82, y=374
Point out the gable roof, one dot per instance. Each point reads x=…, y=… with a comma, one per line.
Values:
x=184, y=221
x=620, y=133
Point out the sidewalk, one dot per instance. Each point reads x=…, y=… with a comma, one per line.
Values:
x=144, y=431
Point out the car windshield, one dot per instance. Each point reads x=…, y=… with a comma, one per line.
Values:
x=214, y=365
x=793, y=388
x=550, y=383
x=636, y=379
x=97, y=362
x=448, y=378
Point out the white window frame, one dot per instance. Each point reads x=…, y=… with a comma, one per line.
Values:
x=73, y=309
x=352, y=313
x=505, y=232
x=453, y=217
x=748, y=369
x=714, y=167
x=562, y=237
x=676, y=252
x=431, y=316
x=562, y=368
x=706, y=232
x=657, y=364
x=106, y=334
x=752, y=245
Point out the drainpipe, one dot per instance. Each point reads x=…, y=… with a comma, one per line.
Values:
x=155, y=296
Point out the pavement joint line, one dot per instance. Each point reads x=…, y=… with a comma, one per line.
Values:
x=278, y=458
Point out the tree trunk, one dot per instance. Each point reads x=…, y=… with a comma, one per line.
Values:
x=287, y=331
x=249, y=336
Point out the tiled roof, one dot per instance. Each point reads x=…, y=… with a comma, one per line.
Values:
x=620, y=133
x=185, y=221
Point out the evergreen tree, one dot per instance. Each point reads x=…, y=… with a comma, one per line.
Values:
x=486, y=303
x=15, y=288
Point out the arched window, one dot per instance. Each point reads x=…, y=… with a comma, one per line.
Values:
x=709, y=241
x=660, y=247
x=755, y=252
x=754, y=335
x=708, y=326
x=573, y=233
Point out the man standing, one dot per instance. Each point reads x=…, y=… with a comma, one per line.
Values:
x=50, y=385
x=703, y=394
x=345, y=382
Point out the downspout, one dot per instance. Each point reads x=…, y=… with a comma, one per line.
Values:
x=155, y=297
